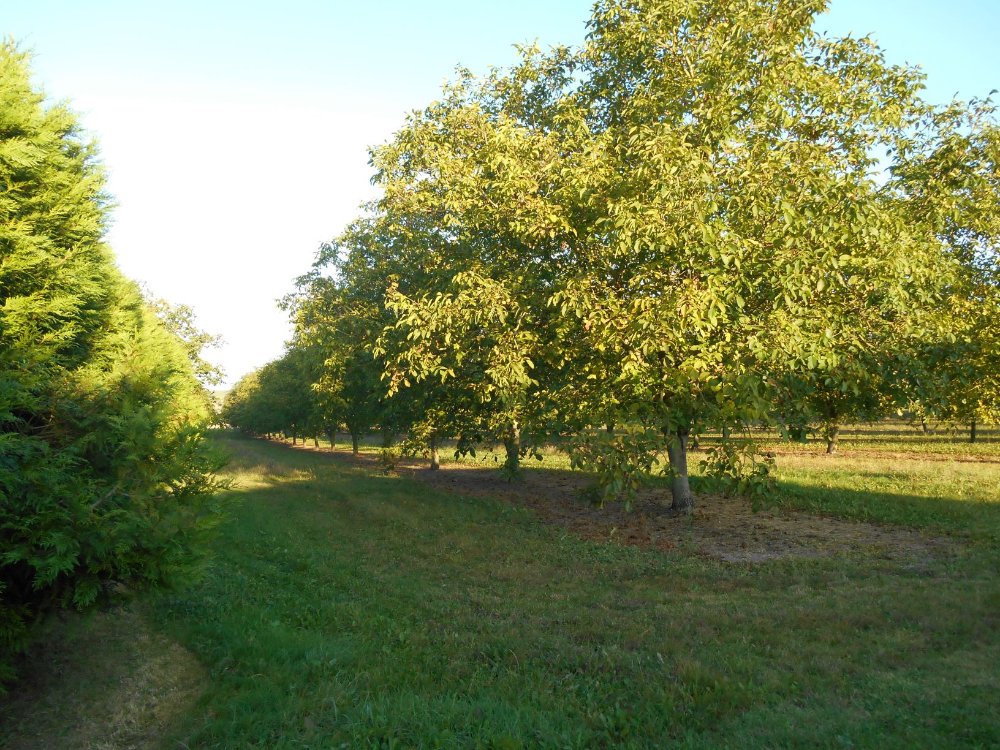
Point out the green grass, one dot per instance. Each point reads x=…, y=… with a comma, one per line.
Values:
x=893, y=438
x=887, y=473
x=942, y=496
x=102, y=681
x=347, y=609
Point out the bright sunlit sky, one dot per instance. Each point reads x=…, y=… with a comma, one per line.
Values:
x=235, y=132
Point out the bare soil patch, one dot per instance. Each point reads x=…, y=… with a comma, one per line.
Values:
x=724, y=528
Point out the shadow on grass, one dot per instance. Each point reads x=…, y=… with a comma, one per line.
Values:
x=829, y=523
x=362, y=609
x=104, y=680
x=974, y=519
x=350, y=609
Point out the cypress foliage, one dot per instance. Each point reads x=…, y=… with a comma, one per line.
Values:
x=105, y=478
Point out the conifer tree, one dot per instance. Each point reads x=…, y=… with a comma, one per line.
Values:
x=105, y=476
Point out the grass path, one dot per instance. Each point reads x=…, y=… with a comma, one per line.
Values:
x=346, y=609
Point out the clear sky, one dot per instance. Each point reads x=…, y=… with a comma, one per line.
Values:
x=235, y=132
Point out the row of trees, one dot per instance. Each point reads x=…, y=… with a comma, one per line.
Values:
x=706, y=216
x=106, y=481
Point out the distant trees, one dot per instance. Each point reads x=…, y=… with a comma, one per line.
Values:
x=707, y=216
x=277, y=398
x=949, y=175
x=105, y=478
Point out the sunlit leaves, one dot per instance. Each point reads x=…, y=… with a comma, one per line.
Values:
x=706, y=216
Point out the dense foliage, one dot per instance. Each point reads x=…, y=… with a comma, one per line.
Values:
x=707, y=216
x=105, y=478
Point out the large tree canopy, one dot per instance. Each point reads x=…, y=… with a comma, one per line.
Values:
x=747, y=240
x=708, y=215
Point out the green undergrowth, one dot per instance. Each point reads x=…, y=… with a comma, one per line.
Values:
x=348, y=608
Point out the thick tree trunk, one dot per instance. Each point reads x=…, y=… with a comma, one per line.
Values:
x=355, y=438
x=315, y=441
x=831, y=434
x=332, y=437
x=610, y=428
x=680, y=487
x=295, y=439
x=435, y=454
x=512, y=444
x=972, y=431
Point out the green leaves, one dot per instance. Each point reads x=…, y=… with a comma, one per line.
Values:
x=621, y=463
x=705, y=215
x=105, y=476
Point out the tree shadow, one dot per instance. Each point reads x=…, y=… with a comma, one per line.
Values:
x=796, y=521
x=973, y=519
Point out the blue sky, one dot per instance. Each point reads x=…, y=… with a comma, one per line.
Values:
x=235, y=133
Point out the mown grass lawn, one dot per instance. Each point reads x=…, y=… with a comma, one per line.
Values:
x=347, y=609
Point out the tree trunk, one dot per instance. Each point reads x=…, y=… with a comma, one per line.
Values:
x=355, y=438
x=295, y=439
x=680, y=487
x=315, y=441
x=387, y=437
x=332, y=437
x=972, y=431
x=512, y=444
x=610, y=428
x=831, y=433
x=435, y=455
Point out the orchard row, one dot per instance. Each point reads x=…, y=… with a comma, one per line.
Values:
x=705, y=217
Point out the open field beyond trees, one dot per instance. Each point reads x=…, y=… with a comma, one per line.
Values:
x=347, y=606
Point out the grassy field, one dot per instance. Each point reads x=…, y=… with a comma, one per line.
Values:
x=348, y=608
